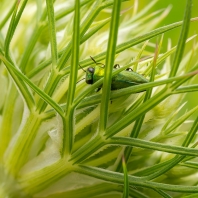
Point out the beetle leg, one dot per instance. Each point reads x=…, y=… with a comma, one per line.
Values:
x=116, y=66
x=82, y=68
x=129, y=69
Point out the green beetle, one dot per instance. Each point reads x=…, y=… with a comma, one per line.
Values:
x=124, y=79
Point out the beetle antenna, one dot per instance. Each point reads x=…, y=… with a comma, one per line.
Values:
x=96, y=62
x=80, y=80
x=93, y=60
x=82, y=68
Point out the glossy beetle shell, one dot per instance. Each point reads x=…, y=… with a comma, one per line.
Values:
x=124, y=79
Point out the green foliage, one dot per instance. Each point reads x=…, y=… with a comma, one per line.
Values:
x=61, y=138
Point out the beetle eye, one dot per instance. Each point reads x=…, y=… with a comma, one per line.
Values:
x=91, y=70
x=129, y=69
x=116, y=66
x=89, y=75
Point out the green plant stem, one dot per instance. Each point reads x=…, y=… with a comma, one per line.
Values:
x=111, y=49
x=152, y=145
x=177, y=84
x=30, y=46
x=37, y=32
x=126, y=182
x=53, y=80
x=185, y=89
x=98, y=6
x=149, y=170
x=51, y=84
x=69, y=132
x=89, y=191
x=162, y=193
x=11, y=29
x=46, y=63
x=93, y=31
x=138, y=124
x=18, y=151
x=27, y=95
x=179, y=121
x=65, y=12
x=97, y=142
x=119, y=48
x=13, y=24
x=44, y=96
x=132, y=116
x=50, y=12
x=86, y=150
x=177, y=158
x=36, y=181
x=119, y=178
x=182, y=39
x=142, y=38
x=3, y=22
x=6, y=126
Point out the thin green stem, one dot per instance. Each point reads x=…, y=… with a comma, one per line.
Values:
x=182, y=39
x=185, y=89
x=44, y=96
x=119, y=178
x=52, y=28
x=18, y=152
x=10, y=31
x=68, y=136
x=177, y=158
x=27, y=95
x=142, y=38
x=3, y=22
x=119, y=48
x=38, y=180
x=152, y=145
x=111, y=49
x=132, y=116
x=138, y=124
x=65, y=12
x=83, y=28
x=7, y=116
x=126, y=180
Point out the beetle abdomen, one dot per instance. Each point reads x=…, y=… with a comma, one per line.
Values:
x=126, y=79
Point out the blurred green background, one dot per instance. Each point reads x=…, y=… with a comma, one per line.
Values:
x=176, y=14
